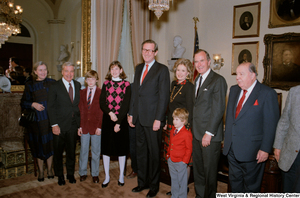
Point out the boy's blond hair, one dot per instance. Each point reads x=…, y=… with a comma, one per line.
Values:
x=91, y=74
x=182, y=114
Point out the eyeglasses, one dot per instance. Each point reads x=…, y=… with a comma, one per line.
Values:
x=147, y=50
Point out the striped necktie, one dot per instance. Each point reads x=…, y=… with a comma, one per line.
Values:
x=175, y=132
x=89, y=98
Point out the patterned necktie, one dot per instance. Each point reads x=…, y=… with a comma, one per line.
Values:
x=200, y=81
x=145, y=73
x=71, y=92
x=175, y=132
x=240, y=104
x=89, y=98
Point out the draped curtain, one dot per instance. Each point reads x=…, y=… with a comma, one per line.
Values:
x=108, y=28
x=140, y=27
x=106, y=31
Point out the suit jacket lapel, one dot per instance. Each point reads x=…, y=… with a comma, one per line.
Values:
x=251, y=99
x=150, y=73
x=236, y=96
x=84, y=96
x=63, y=87
x=77, y=95
x=206, y=82
x=139, y=74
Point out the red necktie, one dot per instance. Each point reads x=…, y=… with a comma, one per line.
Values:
x=175, y=132
x=145, y=73
x=89, y=98
x=71, y=92
x=240, y=104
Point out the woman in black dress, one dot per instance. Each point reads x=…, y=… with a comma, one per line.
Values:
x=40, y=135
x=114, y=102
x=181, y=96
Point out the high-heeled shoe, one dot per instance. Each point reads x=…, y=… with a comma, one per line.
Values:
x=121, y=184
x=50, y=174
x=105, y=185
x=41, y=177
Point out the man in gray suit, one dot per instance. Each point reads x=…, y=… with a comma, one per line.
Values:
x=207, y=127
x=287, y=142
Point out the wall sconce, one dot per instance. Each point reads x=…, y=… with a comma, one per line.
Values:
x=78, y=63
x=218, y=61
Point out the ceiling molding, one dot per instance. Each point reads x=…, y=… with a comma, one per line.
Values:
x=54, y=5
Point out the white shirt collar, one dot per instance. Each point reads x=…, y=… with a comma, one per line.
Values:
x=179, y=128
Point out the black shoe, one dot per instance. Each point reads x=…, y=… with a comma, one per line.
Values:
x=169, y=193
x=152, y=193
x=139, y=188
x=41, y=179
x=105, y=185
x=61, y=180
x=50, y=174
x=121, y=184
x=71, y=179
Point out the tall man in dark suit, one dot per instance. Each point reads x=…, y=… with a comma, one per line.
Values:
x=251, y=120
x=149, y=100
x=64, y=115
x=209, y=107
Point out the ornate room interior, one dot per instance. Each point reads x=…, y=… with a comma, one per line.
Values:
x=82, y=26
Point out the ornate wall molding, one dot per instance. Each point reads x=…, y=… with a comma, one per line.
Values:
x=86, y=37
x=56, y=21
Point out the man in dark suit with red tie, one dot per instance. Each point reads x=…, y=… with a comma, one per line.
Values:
x=149, y=100
x=251, y=120
x=64, y=116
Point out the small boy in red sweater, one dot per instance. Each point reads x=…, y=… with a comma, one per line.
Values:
x=179, y=153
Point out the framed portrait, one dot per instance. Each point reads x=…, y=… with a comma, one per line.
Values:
x=284, y=13
x=282, y=60
x=246, y=20
x=244, y=52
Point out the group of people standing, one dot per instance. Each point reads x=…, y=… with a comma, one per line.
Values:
x=18, y=75
x=194, y=123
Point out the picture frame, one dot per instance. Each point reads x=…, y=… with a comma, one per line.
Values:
x=244, y=52
x=284, y=13
x=246, y=20
x=282, y=60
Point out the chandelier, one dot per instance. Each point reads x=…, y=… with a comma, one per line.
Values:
x=158, y=6
x=10, y=18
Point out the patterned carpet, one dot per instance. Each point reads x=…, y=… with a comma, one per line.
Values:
x=28, y=186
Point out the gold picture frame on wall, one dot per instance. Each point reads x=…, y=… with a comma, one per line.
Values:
x=86, y=37
x=284, y=13
x=246, y=20
x=282, y=60
x=244, y=52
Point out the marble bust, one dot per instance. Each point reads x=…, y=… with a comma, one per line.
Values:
x=177, y=51
x=63, y=57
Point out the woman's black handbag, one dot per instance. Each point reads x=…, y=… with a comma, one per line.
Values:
x=27, y=116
